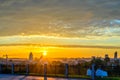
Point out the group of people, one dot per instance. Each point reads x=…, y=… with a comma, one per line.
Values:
x=99, y=72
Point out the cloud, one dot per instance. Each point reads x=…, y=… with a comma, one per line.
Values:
x=63, y=18
x=51, y=40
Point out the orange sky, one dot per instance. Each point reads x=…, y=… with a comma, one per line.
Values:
x=54, y=52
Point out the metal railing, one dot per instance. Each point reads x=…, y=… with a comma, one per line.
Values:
x=61, y=70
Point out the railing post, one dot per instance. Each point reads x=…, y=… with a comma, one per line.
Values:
x=0, y=68
x=27, y=69
x=45, y=71
x=93, y=72
x=79, y=69
x=66, y=70
x=12, y=70
x=55, y=69
x=20, y=68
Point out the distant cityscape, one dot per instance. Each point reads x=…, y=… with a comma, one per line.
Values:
x=72, y=61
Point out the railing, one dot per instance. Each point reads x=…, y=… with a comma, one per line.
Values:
x=61, y=70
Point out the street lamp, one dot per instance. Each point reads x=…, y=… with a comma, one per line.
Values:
x=6, y=56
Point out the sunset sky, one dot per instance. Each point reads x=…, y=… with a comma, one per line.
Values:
x=59, y=22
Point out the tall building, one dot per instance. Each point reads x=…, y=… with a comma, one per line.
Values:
x=107, y=59
x=116, y=60
x=30, y=57
x=106, y=55
x=115, y=55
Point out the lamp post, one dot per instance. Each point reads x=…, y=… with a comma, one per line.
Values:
x=6, y=56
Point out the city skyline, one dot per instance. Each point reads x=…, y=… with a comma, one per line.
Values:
x=56, y=52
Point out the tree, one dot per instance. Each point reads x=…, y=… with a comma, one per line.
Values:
x=107, y=59
x=97, y=61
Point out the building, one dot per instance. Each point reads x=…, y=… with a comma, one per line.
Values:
x=115, y=56
x=106, y=55
x=116, y=60
x=30, y=57
x=107, y=59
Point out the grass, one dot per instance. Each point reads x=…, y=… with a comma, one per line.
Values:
x=71, y=76
x=56, y=75
x=108, y=78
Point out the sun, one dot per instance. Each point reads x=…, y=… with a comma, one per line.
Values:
x=44, y=53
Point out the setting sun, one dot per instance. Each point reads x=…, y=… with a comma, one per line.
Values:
x=44, y=53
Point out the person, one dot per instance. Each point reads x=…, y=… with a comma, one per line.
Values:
x=101, y=73
x=89, y=71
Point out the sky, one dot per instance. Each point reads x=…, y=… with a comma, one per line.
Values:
x=60, y=22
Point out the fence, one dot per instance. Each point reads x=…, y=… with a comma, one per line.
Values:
x=62, y=70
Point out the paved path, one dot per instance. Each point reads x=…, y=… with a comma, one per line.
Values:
x=22, y=77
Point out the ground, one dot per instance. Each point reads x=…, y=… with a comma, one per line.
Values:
x=22, y=77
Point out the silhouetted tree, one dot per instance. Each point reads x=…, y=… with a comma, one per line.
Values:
x=106, y=60
x=98, y=62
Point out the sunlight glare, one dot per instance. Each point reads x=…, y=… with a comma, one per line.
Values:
x=44, y=53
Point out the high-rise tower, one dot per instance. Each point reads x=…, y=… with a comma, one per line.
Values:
x=115, y=55
x=30, y=57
